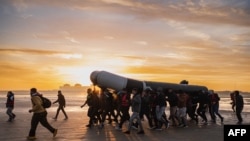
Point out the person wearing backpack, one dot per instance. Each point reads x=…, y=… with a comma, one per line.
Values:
x=39, y=115
x=124, y=103
x=62, y=104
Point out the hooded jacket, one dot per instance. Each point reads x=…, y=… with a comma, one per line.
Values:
x=37, y=103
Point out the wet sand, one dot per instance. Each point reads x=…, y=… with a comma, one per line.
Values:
x=74, y=129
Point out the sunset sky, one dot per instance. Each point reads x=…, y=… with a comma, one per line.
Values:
x=48, y=43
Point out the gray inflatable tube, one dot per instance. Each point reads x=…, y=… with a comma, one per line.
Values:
x=104, y=79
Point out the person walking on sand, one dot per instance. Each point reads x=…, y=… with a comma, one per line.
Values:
x=124, y=103
x=39, y=115
x=93, y=103
x=10, y=106
x=239, y=104
x=173, y=102
x=161, y=105
x=182, y=108
x=136, y=106
x=232, y=97
x=203, y=103
x=215, y=106
x=61, y=106
x=145, y=106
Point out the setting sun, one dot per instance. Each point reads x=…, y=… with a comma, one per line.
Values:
x=76, y=75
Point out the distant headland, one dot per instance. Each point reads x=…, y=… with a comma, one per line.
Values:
x=76, y=87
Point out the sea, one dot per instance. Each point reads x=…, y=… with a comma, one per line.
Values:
x=74, y=99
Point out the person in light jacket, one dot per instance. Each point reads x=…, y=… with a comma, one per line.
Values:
x=136, y=106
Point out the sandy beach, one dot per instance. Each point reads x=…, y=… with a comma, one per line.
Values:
x=74, y=129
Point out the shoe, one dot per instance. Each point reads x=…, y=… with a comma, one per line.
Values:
x=181, y=125
x=31, y=138
x=196, y=121
x=239, y=122
x=118, y=128
x=222, y=119
x=66, y=118
x=205, y=123
x=158, y=129
x=185, y=126
x=167, y=125
x=134, y=127
x=89, y=125
x=13, y=116
x=151, y=127
x=54, y=118
x=127, y=132
x=55, y=132
x=141, y=132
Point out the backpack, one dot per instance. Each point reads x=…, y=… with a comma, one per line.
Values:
x=46, y=102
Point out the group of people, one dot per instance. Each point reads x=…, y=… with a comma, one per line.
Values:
x=115, y=106
x=151, y=104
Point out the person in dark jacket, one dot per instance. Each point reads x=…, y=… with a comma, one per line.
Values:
x=61, y=106
x=215, y=106
x=94, y=105
x=106, y=106
x=173, y=102
x=161, y=104
x=232, y=97
x=239, y=104
x=10, y=106
x=145, y=106
x=203, y=103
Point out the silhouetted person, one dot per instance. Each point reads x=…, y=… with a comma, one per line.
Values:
x=203, y=103
x=192, y=106
x=215, y=106
x=106, y=106
x=39, y=115
x=145, y=106
x=173, y=102
x=10, y=105
x=93, y=103
x=61, y=106
x=232, y=97
x=124, y=104
x=239, y=104
x=210, y=110
x=161, y=105
x=136, y=106
x=182, y=108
